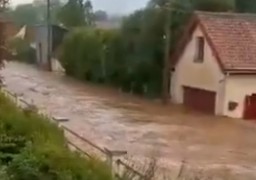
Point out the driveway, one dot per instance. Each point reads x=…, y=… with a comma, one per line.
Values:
x=120, y=121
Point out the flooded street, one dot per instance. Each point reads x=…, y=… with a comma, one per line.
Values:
x=142, y=127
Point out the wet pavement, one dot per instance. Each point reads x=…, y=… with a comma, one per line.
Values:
x=120, y=121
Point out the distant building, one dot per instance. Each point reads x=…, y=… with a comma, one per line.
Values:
x=25, y=32
x=57, y=34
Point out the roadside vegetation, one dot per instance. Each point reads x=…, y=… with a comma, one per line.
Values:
x=33, y=148
x=20, y=49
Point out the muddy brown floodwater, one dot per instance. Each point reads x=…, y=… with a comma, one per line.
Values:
x=142, y=127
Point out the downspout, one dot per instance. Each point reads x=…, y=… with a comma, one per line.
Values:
x=224, y=81
x=171, y=72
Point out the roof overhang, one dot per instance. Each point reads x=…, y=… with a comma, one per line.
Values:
x=240, y=71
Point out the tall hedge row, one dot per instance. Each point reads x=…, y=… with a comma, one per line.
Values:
x=103, y=56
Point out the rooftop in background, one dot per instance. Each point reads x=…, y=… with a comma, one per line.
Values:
x=53, y=25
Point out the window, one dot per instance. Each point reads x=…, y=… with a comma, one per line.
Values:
x=199, y=54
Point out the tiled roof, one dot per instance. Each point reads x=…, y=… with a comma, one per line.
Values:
x=233, y=37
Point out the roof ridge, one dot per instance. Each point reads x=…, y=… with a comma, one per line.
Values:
x=224, y=13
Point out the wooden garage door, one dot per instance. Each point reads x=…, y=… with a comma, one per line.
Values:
x=200, y=100
x=250, y=107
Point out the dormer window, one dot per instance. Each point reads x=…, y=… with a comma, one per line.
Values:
x=199, y=54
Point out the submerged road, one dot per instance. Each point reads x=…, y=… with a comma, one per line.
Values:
x=142, y=127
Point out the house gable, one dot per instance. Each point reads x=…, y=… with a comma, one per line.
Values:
x=206, y=75
x=202, y=75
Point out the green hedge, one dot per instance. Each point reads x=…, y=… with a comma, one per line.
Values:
x=23, y=51
x=103, y=56
x=33, y=148
x=84, y=61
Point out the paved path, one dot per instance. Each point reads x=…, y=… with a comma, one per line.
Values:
x=143, y=128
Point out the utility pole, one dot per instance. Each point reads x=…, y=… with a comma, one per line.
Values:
x=166, y=64
x=49, y=35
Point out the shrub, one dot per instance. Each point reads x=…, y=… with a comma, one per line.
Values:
x=34, y=148
x=22, y=50
x=125, y=57
x=100, y=56
x=81, y=54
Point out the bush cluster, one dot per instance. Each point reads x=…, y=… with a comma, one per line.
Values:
x=21, y=50
x=103, y=56
x=33, y=148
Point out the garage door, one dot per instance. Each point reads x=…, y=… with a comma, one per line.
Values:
x=200, y=100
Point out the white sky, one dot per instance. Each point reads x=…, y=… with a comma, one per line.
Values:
x=15, y=2
x=111, y=6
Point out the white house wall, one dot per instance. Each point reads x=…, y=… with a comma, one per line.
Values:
x=41, y=37
x=206, y=75
x=237, y=87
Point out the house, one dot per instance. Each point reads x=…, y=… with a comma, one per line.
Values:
x=214, y=67
x=57, y=34
x=26, y=33
x=10, y=29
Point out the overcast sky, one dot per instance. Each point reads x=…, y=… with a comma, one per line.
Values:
x=112, y=6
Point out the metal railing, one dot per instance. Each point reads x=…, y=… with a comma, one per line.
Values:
x=126, y=171
x=118, y=166
x=83, y=139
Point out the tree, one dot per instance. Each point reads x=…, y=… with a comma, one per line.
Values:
x=100, y=15
x=71, y=14
x=142, y=34
x=34, y=13
x=88, y=12
x=55, y=6
x=25, y=14
x=206, y=5
x=76, y=13
x=157, y=3
x=246, y=6
x=214, y=5
x=81, y=54
x=43, y=2
x=4, y=4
